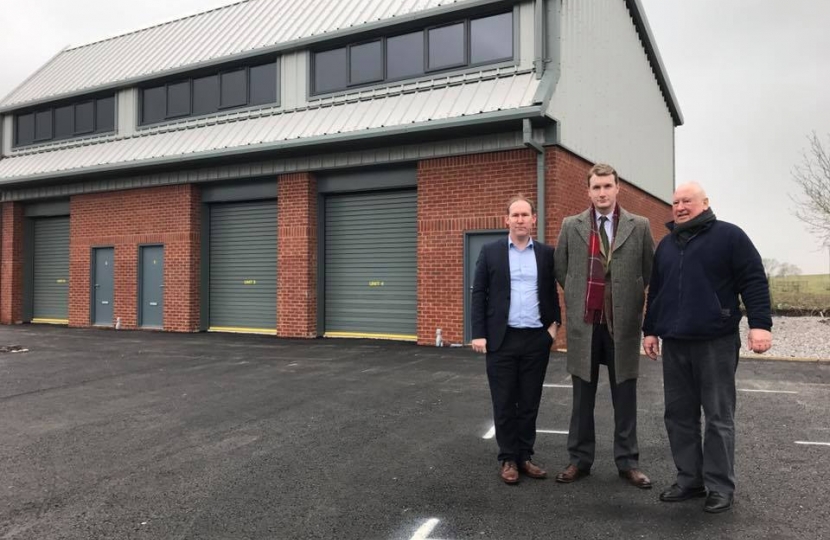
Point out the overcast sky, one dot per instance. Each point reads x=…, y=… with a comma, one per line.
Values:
x=752, y=78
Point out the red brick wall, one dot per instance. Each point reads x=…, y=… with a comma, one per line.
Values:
x=455, y=195
x=297, y=256
x=11, y=264
x=468, y=193
x=168, y=215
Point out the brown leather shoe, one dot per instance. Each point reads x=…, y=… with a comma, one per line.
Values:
x=509, y=472
x=532, y=470
x=572, y=473
x=636, y=478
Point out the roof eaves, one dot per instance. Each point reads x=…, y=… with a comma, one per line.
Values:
x=638, y=14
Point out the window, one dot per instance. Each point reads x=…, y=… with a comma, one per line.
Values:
x=366, y=63
x=105, y=115
x=491, y=39
x=153, y=106
x=206, y=95
x=25, y=129
x=43, y=125
x=85, y=117
x=446, y=47
x=209, y=93
x=330, y=70
x=178, y=99
x=469, y=42
x=232, y=89
x=405, y=56
x=65, y=121
x=263, y=84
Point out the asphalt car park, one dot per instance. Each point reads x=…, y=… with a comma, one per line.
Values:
x=114, y=434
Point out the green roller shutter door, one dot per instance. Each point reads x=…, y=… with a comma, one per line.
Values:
x=371, y=265
x=243, y=266
x=50, y=267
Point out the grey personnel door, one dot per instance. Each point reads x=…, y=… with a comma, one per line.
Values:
x=102, y=286
x=151, y=285
x=243, y=267
x=371, y=265
x=50, y=294
x=472, y=247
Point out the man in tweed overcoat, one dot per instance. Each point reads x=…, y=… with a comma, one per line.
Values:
x=603, y=262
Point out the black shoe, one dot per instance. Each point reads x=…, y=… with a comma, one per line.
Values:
x=717, y=503
x=678, y=494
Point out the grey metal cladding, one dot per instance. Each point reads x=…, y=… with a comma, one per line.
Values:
x=313, y=162
x=243, y=265
x=47, y=208
x=50, y=273
x=371, y=263
x=250, y=190
x=489, y=96
x=367, y=179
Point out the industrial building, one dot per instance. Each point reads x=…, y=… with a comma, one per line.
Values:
x=317, y=168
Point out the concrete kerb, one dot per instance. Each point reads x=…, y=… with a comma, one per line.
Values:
x=765, y=357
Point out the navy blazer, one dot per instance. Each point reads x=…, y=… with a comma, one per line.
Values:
x=491, y=291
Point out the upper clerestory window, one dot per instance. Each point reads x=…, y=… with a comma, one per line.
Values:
x=86, y=117
x=466, y=43
x=210, y=92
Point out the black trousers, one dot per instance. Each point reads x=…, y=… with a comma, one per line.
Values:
x=701, y=374
x=516, y=373
x=581, y=436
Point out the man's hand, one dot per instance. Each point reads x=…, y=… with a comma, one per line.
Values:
x=651, y=346
x=552, y=330
x=759, y=340
x=480, y=345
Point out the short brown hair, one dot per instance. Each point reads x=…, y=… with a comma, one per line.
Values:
x=518, y=198
x=603, y=169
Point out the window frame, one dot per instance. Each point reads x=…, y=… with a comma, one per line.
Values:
x=51, y=110
x=382, y=42
x=466, y=23
x=203, y=74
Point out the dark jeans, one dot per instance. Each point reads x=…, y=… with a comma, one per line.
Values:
x=701, y=374
x=581, y=436
x=516, y=373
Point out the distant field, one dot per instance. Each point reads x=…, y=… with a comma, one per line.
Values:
x=801, y=295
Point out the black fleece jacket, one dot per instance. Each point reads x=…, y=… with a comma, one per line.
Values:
x=693, y=292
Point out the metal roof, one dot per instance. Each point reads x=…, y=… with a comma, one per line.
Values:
x=246, y=28
x=485, y=96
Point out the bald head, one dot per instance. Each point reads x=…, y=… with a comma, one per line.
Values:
x=689, y=201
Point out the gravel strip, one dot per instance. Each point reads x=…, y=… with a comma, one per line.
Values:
x=794, y=337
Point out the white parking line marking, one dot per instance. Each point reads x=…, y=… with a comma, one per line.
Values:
x=813, y=443
x=423, y=531
x=490, y=433
x=554, y=431
x=557, y=385
x=767, y=391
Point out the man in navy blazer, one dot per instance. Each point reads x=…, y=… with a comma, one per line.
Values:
x=515, y=317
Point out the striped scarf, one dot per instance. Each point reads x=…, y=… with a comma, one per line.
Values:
x=598, y=268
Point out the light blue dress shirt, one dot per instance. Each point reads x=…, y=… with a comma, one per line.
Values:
x=524, y=287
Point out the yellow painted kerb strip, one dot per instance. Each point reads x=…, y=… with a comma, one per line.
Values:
x=364, y=335
x=242, y=330
x=50, y=321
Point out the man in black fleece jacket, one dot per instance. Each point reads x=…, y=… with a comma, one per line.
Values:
x=699, y=270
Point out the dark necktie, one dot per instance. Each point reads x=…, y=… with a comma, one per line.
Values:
x=603, y=236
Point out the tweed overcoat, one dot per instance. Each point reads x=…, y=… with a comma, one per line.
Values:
x=632, y=255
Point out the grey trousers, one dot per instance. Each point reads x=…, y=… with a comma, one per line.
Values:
x=581, y=435
x=701, y=374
